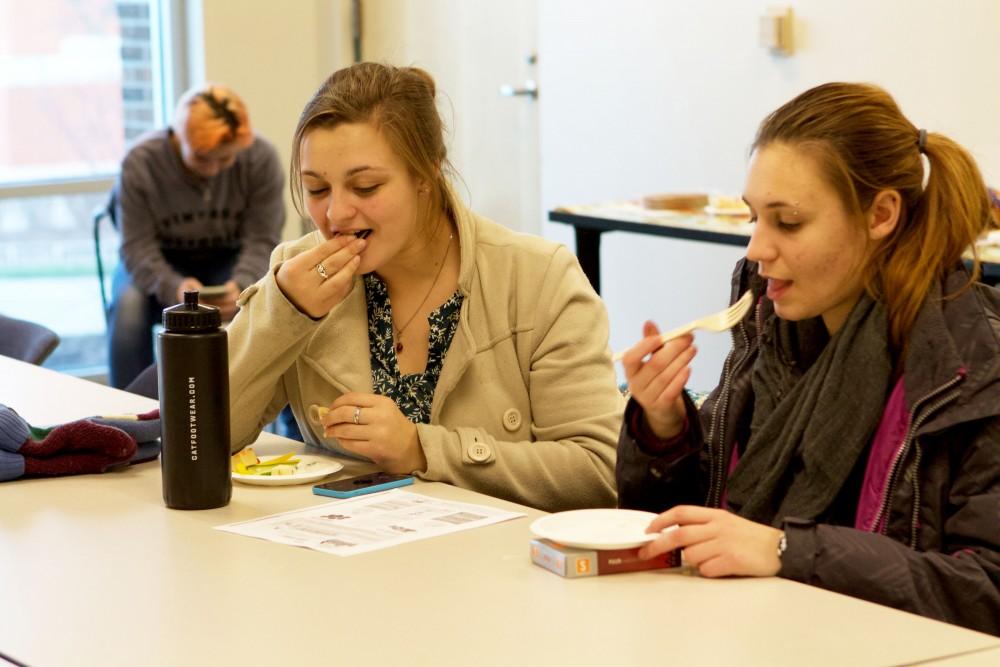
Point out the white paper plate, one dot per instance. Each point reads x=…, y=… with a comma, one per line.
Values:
x=212, y=291
x=311, y=469
x=728, y=212
x=596, y=529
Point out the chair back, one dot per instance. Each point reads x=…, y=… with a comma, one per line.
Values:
x=25, y=340
x=145, y=383
x=105, y=210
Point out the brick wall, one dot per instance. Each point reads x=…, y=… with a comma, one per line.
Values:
x=137, y=70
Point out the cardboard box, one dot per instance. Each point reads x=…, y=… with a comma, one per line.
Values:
x=572, y=562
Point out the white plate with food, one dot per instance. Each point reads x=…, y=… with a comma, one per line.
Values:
x=283, y=470
x=213, y=291
x=596, y=528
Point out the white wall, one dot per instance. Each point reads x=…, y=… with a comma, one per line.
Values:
x=471, y=47
x=641, y=97
x=275, y=55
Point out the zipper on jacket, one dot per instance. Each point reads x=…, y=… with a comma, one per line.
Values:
x=915, y=424
x=714, y=465
x=717, y=469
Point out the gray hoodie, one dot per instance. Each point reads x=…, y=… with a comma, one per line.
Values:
x=173, y=223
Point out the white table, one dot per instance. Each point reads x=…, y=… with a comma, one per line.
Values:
x=989, y=657
x=96, y=571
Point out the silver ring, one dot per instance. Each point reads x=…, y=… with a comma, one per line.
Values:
x=357, y=415
x=321, y=270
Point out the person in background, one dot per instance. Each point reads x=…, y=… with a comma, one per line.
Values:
x=414, y=332
x=853, y=442
x=198, y=204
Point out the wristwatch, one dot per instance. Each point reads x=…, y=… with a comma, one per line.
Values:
x=782, y=545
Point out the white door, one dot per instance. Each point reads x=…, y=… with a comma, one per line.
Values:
x=472, y=48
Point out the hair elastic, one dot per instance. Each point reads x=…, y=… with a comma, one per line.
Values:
x=221, y=110
x=925, y=162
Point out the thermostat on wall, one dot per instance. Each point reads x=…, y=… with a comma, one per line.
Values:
x=776, y=30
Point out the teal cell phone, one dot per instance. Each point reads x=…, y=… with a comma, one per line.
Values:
x=362, y=484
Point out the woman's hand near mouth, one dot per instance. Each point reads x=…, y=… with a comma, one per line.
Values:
x=318, y=279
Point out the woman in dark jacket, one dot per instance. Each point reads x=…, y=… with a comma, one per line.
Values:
x=854, y=440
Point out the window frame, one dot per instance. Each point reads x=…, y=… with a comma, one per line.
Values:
x=170, y=60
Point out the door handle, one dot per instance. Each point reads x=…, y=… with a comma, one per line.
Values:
x=530, y=89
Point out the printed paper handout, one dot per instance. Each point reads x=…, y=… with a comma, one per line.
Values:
x=370, y=522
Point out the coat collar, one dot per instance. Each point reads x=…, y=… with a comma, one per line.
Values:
x=957, y=334
x=463, y=344
x=466, y=226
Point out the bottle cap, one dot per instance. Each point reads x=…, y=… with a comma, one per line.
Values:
x=191, y=316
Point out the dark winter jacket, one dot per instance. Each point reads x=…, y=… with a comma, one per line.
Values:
x=939, y=555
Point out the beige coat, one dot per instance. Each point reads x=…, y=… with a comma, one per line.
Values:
x=527, y=406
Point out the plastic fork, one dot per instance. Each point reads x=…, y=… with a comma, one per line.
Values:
x=720, y=321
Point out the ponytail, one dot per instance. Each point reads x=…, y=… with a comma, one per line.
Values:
x=945, y=221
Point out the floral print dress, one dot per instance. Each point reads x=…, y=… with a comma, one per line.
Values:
x=412, y=393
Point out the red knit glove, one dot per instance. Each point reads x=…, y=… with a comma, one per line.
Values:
x=90, y=445
x=76, y=448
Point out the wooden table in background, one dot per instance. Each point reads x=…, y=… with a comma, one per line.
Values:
x=590, y=221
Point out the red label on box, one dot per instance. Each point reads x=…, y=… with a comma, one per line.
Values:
x=573, y=562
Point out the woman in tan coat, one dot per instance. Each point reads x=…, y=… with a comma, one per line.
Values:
x=416, y=333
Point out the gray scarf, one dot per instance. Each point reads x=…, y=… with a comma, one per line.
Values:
x=811, y=422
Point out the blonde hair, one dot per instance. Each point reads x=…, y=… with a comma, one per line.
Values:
x=865, y=145
x=399, y=103
x=210, y=116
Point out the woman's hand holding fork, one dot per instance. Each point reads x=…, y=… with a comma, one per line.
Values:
x=657, y=373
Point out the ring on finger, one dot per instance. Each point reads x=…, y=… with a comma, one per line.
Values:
x=357, y=415
x=321, y=270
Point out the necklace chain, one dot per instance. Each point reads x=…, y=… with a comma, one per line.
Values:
x=399, y=330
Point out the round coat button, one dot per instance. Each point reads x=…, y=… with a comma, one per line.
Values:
x=479, y=452
x=512, y=420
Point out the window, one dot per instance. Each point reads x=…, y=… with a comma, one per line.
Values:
x=78, y=80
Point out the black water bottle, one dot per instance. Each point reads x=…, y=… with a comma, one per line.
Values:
x=194, y=406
